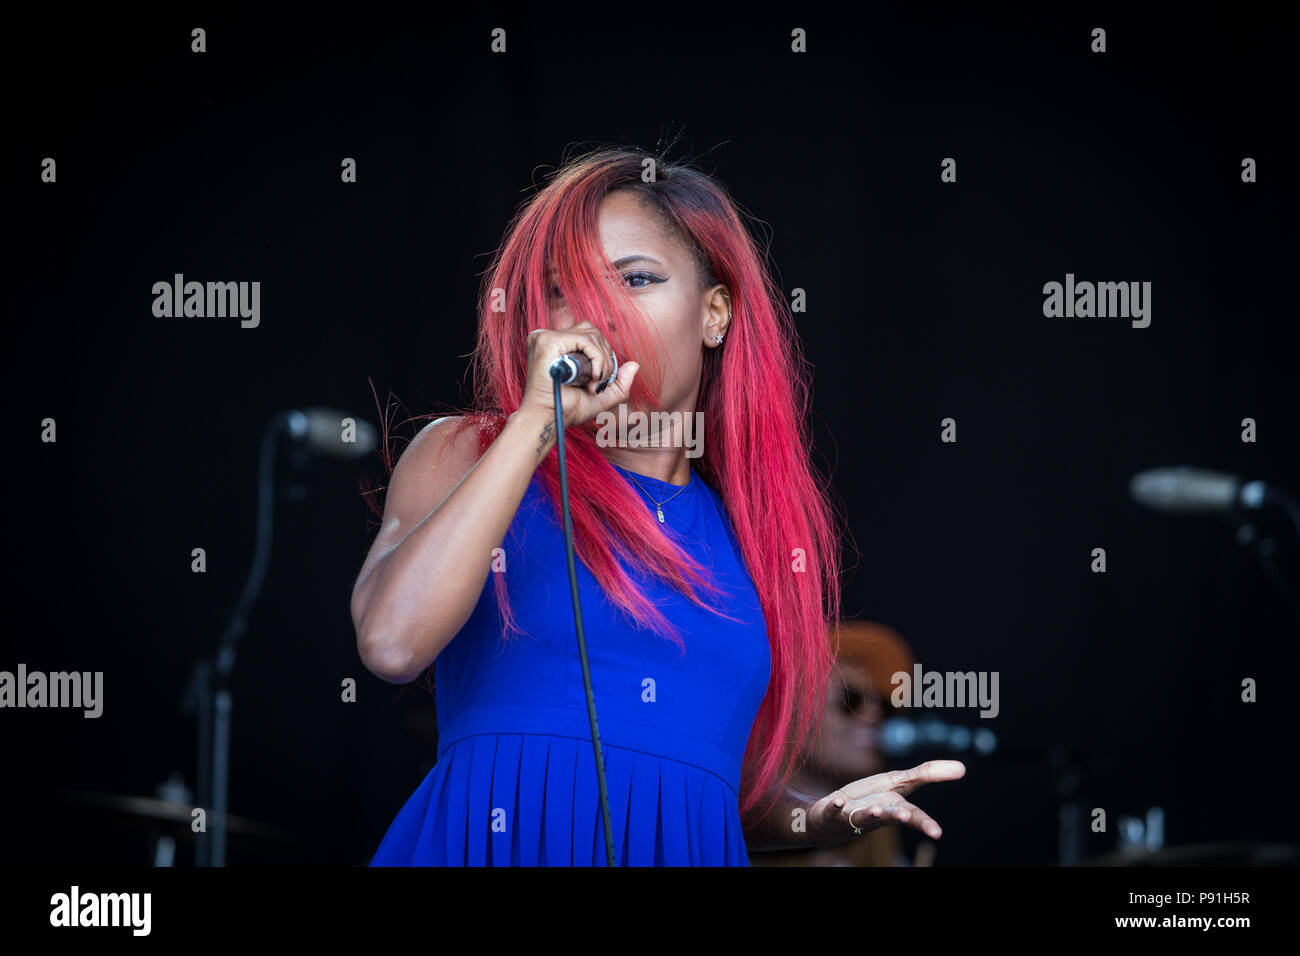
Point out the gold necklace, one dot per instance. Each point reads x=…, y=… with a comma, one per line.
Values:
x=659, y=505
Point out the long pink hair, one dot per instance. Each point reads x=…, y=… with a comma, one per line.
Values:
x=757, y=450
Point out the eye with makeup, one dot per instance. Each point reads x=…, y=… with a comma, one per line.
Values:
x=649, y=279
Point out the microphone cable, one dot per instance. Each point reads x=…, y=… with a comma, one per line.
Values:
x=577, y=616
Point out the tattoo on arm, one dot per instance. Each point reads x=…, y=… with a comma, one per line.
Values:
x=547, y=433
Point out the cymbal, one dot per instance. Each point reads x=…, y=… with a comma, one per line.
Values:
x=1202, y=854
x=178, y=817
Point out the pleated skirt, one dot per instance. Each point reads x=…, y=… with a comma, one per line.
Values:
x=533, y=800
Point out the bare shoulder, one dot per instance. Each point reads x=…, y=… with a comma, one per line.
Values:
x=449, y=436
x=435, y=461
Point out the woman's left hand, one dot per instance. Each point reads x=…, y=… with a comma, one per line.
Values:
x=877, y=801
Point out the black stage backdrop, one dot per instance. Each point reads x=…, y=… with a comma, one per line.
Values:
x=924, y=302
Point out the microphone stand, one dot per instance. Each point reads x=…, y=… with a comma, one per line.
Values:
x=208, y=694
x=1263, y=547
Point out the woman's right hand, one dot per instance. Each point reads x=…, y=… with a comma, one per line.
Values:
x=580, y=405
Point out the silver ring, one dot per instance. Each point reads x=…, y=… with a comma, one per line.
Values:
x=614, y=374
x=856, y=829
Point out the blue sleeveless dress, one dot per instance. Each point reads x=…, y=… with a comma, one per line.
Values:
x=515, y=779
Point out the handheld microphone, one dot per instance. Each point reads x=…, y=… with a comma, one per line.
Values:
x=1192, y=490
x=321, y=430
x=572, y=369
x=572, y=366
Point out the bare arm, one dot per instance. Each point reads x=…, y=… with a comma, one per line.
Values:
x=447, y=510
x=444, y=515
x=777, y=831
x=875, y=801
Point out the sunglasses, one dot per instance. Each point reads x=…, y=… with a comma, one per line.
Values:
x=852, y=699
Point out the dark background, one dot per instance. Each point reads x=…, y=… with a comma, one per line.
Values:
x=924, y=301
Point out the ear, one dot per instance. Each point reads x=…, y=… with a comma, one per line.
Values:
x=717, y=315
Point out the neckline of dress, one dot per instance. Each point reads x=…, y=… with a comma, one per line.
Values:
x=659, y=483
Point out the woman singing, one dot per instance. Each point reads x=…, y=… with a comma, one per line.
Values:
x=708, y=552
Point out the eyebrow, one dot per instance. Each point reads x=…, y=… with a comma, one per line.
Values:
x=627, y=260
x=620, y=263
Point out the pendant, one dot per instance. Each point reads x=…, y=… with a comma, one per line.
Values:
x=660, y=512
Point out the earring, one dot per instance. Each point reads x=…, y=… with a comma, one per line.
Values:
x=718, y=338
